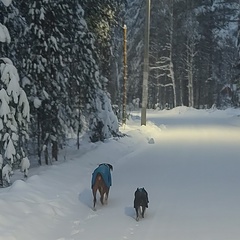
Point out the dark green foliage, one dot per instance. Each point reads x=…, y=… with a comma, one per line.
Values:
x=59, y=65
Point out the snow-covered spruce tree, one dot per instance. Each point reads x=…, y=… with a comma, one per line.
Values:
x=14, y=115
x=61, y=66
x=34, y=64
x=48, y=74
x=78, y=57
x=57, y=108
x=88, y=87
x=103, y=121
x=101, y=16
x=12, y=18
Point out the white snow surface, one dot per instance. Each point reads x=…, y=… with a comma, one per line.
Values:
x=4, y=34
x=188, y=160
x=6, y=2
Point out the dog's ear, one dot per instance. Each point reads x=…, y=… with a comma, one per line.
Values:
x=110, y=166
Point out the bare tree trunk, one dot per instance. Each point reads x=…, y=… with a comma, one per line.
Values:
x=39, y=150
x=191, y=52
x=190, y=73
x=1, y=180
x=46, y=155
x=55, y=150
x=171, y=67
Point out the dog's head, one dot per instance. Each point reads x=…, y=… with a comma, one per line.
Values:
x=141, y=190
x=141, y=195
x=108, y=164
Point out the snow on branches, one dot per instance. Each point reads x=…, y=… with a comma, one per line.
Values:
x=14, y=118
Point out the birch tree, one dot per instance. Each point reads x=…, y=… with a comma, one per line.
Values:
x=191, y=51
x=165, y=63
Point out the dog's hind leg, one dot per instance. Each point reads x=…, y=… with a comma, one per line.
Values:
x=137, y=213
x=101, y=195
x=143, y=211
x=106, y=195
x=94, y=191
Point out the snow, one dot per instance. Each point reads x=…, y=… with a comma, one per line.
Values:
x=4, y=34
x=25, y=165
x=37, y=102
x=24, y=102
x=4, y=107
x=187, y=160
x=6, y=2
x=13, y=104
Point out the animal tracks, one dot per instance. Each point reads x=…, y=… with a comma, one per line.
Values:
x=79, y=227
x=129, y=233
x=90, y=216
x=76, y=228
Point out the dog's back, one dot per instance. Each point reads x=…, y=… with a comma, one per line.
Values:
x=141, y=198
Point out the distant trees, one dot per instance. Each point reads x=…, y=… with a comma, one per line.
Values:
x=133, y=17
x=192, y=51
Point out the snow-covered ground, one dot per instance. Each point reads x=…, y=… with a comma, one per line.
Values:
x=188, y=160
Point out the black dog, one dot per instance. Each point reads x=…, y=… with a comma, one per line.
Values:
x=140, y=202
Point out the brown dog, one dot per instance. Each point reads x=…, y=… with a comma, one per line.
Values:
x=101, y=181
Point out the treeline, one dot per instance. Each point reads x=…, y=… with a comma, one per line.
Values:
x=193, y=53
x=60, y=49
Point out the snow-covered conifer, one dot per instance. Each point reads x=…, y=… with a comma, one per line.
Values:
x=14, y=113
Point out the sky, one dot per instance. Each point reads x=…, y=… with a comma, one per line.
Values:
x=186, y=159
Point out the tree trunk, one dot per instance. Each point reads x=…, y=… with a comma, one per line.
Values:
x=1, y=180
x=171, y=67
x=55, y=150
x=39, y=150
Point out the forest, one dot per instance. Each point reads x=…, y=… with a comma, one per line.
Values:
x=62, y=68
x=193, y=55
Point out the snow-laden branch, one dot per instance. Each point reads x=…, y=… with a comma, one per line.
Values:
x=4, y=34
x=162, y=67
x=163, y=85
x=6, y=2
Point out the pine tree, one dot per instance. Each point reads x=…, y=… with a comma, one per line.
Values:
x=14, y=117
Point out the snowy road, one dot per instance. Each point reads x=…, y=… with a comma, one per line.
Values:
x=191, y=173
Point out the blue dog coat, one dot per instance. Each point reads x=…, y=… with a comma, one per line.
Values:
x=104, y=170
